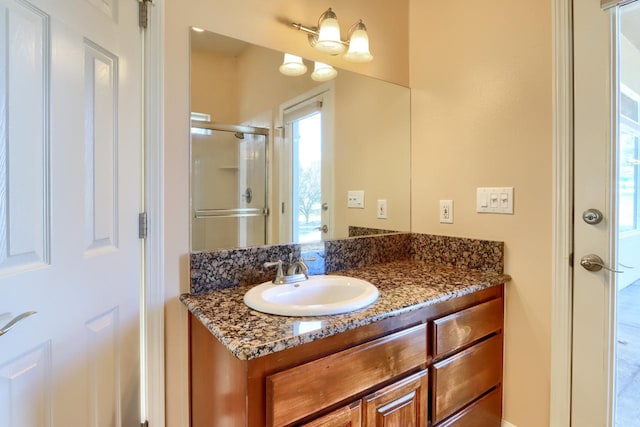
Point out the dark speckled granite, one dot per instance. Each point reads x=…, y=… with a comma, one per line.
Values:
x=404, y=286
x=355, y=231
x=410, y=271
x=227, y=268
x=362, y=251
x=484, y=255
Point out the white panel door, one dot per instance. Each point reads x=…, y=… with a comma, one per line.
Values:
x=70, y=191
x=607, y=151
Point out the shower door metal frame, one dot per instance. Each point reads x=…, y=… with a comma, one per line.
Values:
x=233, y=212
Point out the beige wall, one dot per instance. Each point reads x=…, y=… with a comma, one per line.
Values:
x=366, y=134
x=481, y=116
x=214, y=86
x=259, y=22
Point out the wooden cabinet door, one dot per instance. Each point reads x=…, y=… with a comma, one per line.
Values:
x=402, y=404
x=347, y=416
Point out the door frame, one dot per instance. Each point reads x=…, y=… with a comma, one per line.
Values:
x=153, y=292
x=562, y=227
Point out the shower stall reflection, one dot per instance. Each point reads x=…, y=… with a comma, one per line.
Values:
x=228, y=185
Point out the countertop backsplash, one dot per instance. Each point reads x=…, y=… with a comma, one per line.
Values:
x=226, y=268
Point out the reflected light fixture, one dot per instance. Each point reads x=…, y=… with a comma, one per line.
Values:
x=292, y=65
x=326, y=38
x=323, y=72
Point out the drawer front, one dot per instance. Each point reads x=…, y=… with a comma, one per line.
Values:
x=464, y=327
x=347, y=416
x=403, y=403
x=464, y=377
x=302, y=390
x=486, y=412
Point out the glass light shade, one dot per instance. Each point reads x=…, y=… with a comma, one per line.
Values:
x=359, y=45
x=329, y=34
x=292, y=65
x=323, y=72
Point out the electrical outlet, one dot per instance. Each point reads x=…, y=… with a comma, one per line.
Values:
x=446, y=211
x=382, y=209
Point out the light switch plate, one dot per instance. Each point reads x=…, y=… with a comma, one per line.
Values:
x=497, y=200
x=382, y=209
x=355, y=199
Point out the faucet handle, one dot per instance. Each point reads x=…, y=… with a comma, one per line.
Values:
x=279, y=279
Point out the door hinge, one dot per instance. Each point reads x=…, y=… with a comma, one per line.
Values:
x=142, y=225
x=144, y=424
x=143, y=13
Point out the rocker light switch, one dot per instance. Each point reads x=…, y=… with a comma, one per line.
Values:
x=497, y=200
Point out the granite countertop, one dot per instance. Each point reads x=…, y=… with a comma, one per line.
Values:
x=404, y=286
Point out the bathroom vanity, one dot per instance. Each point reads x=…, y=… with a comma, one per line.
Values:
x=428, y=352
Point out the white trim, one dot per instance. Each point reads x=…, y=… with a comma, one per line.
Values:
x=154, y=191
x=562, y=229
x=506, y=423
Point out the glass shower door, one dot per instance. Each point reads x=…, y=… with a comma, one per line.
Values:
x=228, y=188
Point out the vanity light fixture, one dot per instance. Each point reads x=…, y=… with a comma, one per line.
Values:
x=326, y=38
x=292, y=65
x=323, y=72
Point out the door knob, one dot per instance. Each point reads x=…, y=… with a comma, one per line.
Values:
x=592, y=216
x=324, y=228
x=593, y=262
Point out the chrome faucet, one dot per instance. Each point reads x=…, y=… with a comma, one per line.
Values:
x=298, y=271
x=279, y=279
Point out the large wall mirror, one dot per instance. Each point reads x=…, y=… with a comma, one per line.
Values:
x=278, y=159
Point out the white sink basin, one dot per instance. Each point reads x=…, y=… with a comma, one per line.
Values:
x=318, y=296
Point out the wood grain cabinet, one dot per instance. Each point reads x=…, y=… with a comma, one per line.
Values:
x=403, y=403
x=347, y=416
x=437, y=366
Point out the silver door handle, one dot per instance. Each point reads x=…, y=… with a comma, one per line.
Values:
x=593, y=262
x=6, y=328
x=324, y=228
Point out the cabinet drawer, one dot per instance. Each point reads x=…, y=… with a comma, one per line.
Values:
x=466, y=326
x=347, y=416
x=403, y=403
x=486, y=412
x=465, y=376
x=302, y=390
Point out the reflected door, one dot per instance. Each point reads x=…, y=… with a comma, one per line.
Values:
x=606, y=331
x=307, y=201
x=70, y=193
x=228, y=186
